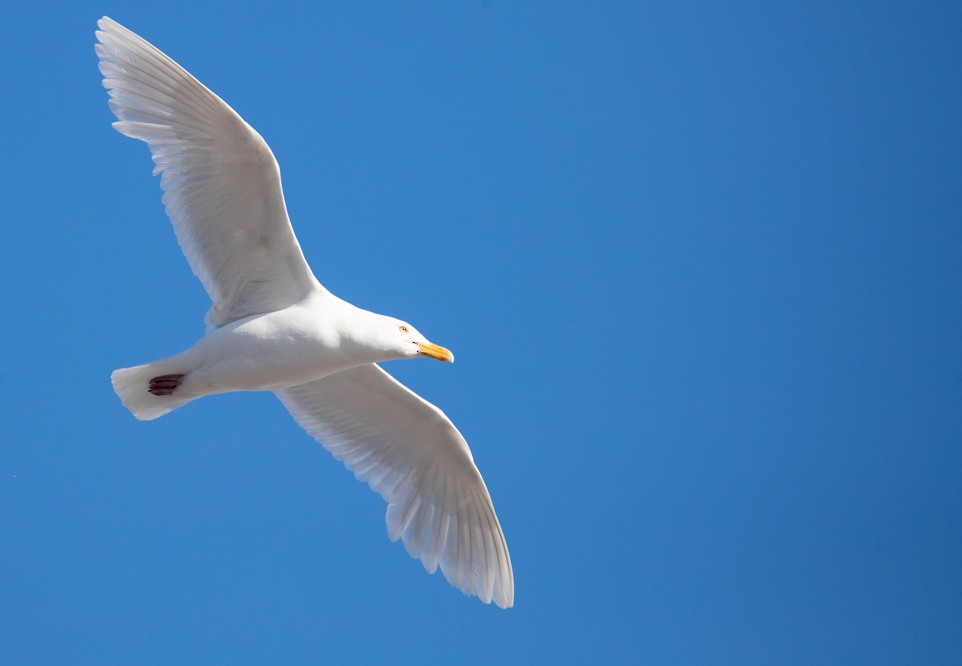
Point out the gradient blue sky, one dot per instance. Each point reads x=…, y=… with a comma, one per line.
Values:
x=701, y=265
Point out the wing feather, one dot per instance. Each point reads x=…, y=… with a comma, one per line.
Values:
x=222, y=185
x=410, y=453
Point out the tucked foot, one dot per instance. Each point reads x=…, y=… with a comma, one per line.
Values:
x=164, y=384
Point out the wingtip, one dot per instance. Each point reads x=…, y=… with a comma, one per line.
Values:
x=505, y=600
x=106, y=26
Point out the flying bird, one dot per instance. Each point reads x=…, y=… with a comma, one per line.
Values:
x=272, y=326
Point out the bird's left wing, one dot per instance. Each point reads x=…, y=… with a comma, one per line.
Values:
x=222, y=185
x=407, y=450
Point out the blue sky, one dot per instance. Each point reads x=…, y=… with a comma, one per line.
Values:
x=701, y=266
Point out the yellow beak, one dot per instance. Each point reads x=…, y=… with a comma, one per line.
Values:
x=436, y=351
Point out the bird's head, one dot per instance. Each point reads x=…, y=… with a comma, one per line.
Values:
x=408, y=342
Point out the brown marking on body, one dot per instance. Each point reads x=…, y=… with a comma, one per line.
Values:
x=164, y=384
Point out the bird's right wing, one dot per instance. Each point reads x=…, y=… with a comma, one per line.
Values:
x=222, y=185
x=407, y=450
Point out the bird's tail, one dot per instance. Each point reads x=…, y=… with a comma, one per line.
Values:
x=149, y=391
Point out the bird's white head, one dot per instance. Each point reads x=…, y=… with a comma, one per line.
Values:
x=407, y=342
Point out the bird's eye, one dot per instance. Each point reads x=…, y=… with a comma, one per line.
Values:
x=403, y=329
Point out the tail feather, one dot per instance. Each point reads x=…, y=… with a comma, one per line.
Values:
x=131, y=386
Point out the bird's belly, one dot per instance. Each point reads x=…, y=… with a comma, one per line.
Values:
x=262, y=354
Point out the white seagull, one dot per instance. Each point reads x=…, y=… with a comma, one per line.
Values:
x=274, y=327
